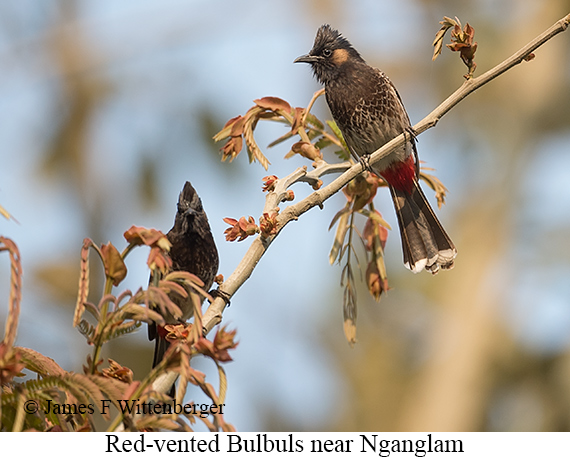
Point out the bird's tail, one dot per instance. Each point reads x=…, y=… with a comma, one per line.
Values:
x=424, y=241
x=160, y=347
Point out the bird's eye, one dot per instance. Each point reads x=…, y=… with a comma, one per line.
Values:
x=327, y=52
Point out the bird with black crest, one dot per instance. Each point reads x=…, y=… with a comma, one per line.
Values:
x=193, y=250
x=369, y=112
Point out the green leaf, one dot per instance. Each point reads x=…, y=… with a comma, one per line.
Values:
x=314, y=121
x=323, y=142
x=343, y=155
x=281, y=139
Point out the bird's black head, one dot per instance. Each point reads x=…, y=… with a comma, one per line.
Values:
x=331, y=51
x=189, y=208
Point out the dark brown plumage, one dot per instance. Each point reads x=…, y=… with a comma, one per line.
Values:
x=369, y=112
x=193, y=250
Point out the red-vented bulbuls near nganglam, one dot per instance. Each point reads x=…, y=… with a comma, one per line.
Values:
x=369, y=112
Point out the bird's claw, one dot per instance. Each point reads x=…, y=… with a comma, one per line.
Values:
x=223, y=295
x=413, y=140
x=413, y=135
x=365, y=162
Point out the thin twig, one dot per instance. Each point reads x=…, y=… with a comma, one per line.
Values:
x=316, y=95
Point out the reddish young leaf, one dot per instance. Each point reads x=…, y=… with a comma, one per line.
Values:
x=115, y=267
x=375, y=231
x=149, y=237
x=230, y=220
x=225, y=340
x=235, y=144
x=273, y=104
x=298, y=117
x=159, y=297
x=241, y=229
x=376, y=284
x=179, y=332
x=205, y=347
x=230, y=128
x=217, y=349
x=159, y=260
x=248, y=226
x=268, y=223
x=232, y=148
x=236, y=124
x=361, y=191
x=306, y=149
x=269, y=183
x=117, y=371
x=462, y=41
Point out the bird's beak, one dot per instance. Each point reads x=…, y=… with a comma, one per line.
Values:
x=190, y=212
x=307, y=58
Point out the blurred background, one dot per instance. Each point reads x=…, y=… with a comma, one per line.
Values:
x=107, y=108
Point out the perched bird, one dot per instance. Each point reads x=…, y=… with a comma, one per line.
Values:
x=193, y=250
x=369, y=112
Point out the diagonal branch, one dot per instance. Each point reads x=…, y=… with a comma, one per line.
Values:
x=213, y=314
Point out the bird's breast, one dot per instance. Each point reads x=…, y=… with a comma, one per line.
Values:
x=368, y=117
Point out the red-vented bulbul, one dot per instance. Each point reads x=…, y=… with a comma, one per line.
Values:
x=369, y=112
x=193, y=250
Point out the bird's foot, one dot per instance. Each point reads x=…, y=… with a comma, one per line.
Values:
x=364, y=160
x=223, y=295
x=413, y=140
x=413, y=135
